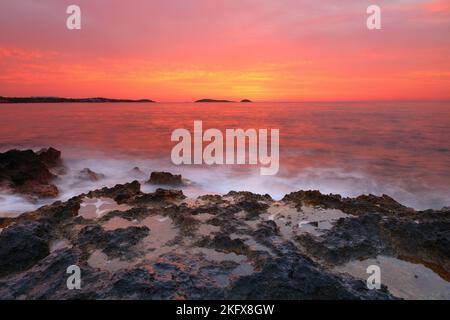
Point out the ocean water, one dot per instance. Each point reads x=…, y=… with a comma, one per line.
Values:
x=397, y=148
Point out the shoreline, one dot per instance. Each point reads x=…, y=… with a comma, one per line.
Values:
x=14, y=100
x=239, y=245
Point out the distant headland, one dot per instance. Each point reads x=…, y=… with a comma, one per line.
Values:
x=65, y=100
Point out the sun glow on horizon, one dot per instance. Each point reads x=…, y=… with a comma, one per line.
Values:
x=260, y=50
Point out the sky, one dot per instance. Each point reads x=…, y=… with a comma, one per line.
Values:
x=264, y=50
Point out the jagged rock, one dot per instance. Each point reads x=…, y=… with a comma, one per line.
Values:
x=161, y=195
x=121, y=193
x=225, y=244
x=26, y=173
x=50, y=157
x=165, y=178
x=22, y=245
x=114, y=243
x=88, y=174
x=236, y=246
x=137, y=173
x=314, y=198
x=293, y=276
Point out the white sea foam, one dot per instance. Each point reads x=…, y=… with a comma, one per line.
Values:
x=221, y=180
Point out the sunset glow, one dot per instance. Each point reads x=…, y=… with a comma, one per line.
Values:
x=259, y=49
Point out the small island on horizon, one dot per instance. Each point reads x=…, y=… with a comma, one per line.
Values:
x=211, y=100
x=219, y=100
x=67, y=100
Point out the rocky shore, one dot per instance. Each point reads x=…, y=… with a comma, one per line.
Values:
x=163, y=245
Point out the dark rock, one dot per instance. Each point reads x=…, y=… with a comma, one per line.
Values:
x=88, y=174
x=137, y=173
x=314, y=198
x=50, y=157
x=160, y=195
x=115, y=243
x=22, y=245
x=350, y=239
x=219, y=247
x=211, y=100
x=121, y=193
x=293, y=277
x=224, y=243
x=24, y=172
x=165, y=178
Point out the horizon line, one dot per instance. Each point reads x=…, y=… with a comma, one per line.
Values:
x=238, y=101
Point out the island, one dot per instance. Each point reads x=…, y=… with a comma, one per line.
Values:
x=67, y=100
x=246, y=101
x=211, y=100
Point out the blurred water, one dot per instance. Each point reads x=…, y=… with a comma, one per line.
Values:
x=398, y=148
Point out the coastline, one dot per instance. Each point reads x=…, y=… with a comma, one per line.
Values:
x=240, y=245
x=13, y=100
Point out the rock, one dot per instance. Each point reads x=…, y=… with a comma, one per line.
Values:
x=162, y=246
x=314, y=198
x=294, y=277
x=39, y=190
x=245, y=101
x=22, y=245
x=115, y=243
x=160, y=195
x=121, y=193
x=165, y=178
x=88, y=174
x=137, y=173
x=211, y=100
x=50, y=157
x=26, y=173
x=224, y=243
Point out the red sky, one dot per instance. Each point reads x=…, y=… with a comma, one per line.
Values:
x=181, y=50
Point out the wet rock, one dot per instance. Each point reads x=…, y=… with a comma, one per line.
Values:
x=160, y=195
x=137, y=283
x=314, y=198
x=360, y=205
x=88, y=174
x=225, y=244
x=26, y=173
x=214, y=247
x=349, y=239
x=165, y=178
x=114, y=243
x=137, y=173
x=47, y=279
x=293, y=276
x=249, y=196
x=424, y=238
x=50, y=157
x=22, y=245
x=121, y=193
x=373, y=204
